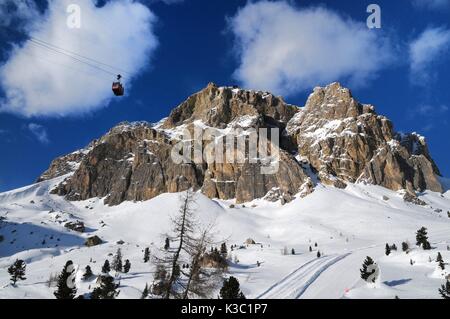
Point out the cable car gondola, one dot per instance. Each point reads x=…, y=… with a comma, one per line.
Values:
x=117, y=87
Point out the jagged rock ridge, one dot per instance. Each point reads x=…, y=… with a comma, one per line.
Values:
x=333, y=135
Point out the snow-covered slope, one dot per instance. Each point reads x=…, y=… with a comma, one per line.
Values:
x=347, y=226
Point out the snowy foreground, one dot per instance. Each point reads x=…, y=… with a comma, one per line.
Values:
x=347, y=225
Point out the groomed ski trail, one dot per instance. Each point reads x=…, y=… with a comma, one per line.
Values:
x=294, y=285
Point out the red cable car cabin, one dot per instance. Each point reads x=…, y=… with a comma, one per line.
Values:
x=118, y=89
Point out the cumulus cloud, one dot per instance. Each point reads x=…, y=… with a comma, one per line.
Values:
x=17, y=12
x=286, y=50
x=40, y=82
x=39, y=132
x=430, y=47
x=432, y=4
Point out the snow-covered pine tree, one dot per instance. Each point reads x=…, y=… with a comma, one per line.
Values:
x=319, y=254
x=117, y=261
x=87, y=273
x=126, y=266
x=145, y=292
x=405, y=247
x=439, y=257
x=17, y=271
x=66, y=288
x=107, y=288
x=369, y=270
x=146, y=255
x=231, y=289
x=422, y=239
x=293, y=251
x=310, y=249
x=445, y=290
x=106, y=267
x=387, y=250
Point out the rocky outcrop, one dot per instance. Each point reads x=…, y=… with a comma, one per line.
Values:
x=333, y=139
x=133, y=161
x=77, y=226
x=63, y=165
x=346, y=141
x=93, y=241
x=219, y=106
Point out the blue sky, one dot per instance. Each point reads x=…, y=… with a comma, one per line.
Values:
x=177, y=47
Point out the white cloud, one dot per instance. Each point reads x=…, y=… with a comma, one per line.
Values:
x=39, y=82
x=431, y=4
x=285, y=49
x=39, y=132
x=426, y=50
x=17, y=12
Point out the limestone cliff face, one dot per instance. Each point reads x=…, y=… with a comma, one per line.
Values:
x=339, y=138
x=346, y=141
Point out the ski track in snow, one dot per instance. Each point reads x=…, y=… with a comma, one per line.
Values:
x=294, y=285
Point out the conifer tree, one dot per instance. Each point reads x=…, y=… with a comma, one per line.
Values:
x=145, y=292
x=441, y=265
x=17, y=271
x=405, y=246
x=224, y=250
x=422, y=238
x=319, y=254
x=117, y=261
x=107, y=288
x=388, y=250
x=231, y=289
x=66, y=283
x=146, y=254
x=127, y=266
x=106, y=267
x=445, y=290
x=293, y=251
x=310, y=249
x=439, y=257
x=369, y=270
x=87, y=273
x=167, y=244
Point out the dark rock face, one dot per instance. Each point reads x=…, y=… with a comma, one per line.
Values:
x=339, y=138
x=75, y=226
x=93, y=241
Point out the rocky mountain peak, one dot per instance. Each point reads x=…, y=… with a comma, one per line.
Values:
x=334, y=139
x=218, y=106
x=335, y=102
